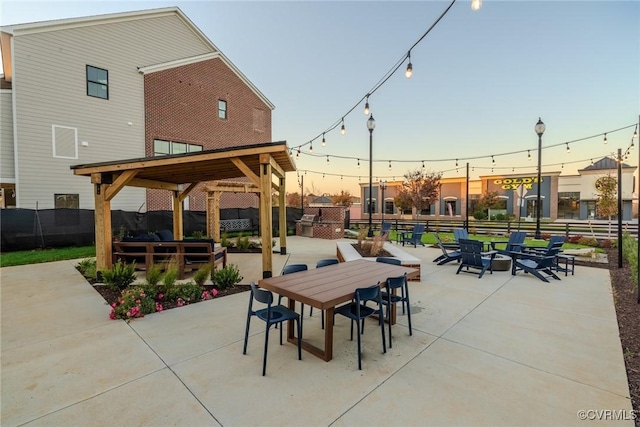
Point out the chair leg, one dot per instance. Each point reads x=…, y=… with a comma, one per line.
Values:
x=246, y=335
x=299, y=323
x=384, y=340
x=389, y=318
x=409, y=314
x=359, y=345
x=266, y=345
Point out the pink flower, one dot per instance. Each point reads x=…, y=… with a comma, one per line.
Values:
x=112, y=315
x=159, y=307
x=137, y=301
x=206, y=295
x=113, y=305
x=214, y=292
x=142, y=294
x=180, y=303
x=160, y=296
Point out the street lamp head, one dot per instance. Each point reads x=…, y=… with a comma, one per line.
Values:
x=540, y=127
x=371, y=123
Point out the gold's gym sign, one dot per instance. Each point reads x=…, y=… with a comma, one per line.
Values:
x=514, y=183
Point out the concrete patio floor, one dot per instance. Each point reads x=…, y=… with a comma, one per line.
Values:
x=500, y=351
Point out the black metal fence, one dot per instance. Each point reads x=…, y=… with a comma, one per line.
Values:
x=25, y=229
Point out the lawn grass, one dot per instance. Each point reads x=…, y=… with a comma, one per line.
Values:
x=37, y=256
x=429, y=239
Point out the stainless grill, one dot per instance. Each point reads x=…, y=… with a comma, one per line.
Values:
x=306, y=222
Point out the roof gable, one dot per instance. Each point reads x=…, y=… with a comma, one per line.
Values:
x=605, y=163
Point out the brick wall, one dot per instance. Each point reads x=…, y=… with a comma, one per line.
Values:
x=181, y=105
x=331, y=225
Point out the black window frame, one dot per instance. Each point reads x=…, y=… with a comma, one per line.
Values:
x=97, y=82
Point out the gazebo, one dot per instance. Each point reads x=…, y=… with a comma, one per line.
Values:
x=180, y=174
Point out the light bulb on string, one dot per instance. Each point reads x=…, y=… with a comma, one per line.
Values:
x=456, y=163
x=389, y=164
x=476, y=4
x=635, y=133
x=298, y=153
x=423, y=164
x=342, y=128
x=562, y=166
x=568, y=148
x=366, y=106
x=529, y=155
x=322, y=176
x=632, y=145
x=591, y=162
x=327, y=160
x=493, y=161
x=358, y=163
x=311, y=147
x=324, y=142
x=409, y=71
x=605, y=139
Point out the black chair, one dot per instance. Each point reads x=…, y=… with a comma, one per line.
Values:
x=446, y=255
x=413, y=237
x=271, y=315
x=288, y=269
x=357, y=311
x=388, y=260
x=515, y=243
x=390, y=298
x=473, y=257
x=319, y=264
x=539, y=250
x=537, y=264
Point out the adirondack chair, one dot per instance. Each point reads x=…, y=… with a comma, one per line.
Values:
x=385, y=230
x=473, y=257
x=414, y=237
x=515, y=243
x=460, y=233
x=447, y=256
x=541, y=250
x=538, y=264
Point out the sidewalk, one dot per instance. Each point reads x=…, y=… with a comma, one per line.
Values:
x=500, y=351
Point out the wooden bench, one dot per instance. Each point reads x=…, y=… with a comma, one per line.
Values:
x=189, y=255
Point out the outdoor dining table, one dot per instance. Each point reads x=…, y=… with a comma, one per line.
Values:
x=327, y=287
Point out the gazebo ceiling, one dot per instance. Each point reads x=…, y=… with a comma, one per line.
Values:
x=201, y=166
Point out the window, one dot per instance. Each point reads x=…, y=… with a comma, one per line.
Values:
x=373, y=206
x=388, y=206
x=162, y=148
x=450, y=207
x=97, y=82
x=67, y=201
x=222, y=109
x=569, y=205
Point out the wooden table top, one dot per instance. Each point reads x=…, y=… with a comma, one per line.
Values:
x=329, y=286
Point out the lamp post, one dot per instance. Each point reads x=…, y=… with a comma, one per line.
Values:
x=383, y=186
x=540, y=128
x=371, y=125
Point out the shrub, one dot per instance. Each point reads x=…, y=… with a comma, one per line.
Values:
x=184, y=294
x=119, y=276
x=226, y=277
x=242, y=242
x=588, y=241
x=630, y=253
x=479, y=215
x=154, y=275
x=133, y=303
x=608, y=243
x=501, y=217
x=362, y=234
x=87, y=268
x=254, y=245
x=225, y=242
x=545, y=236
x=574, y=239
x=202, y=274
x=170, y=277
x=198, y=234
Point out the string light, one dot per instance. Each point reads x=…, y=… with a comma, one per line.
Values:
x=562, y=166
x=342, y=128
x=389, y=164
x=409, y=71
x=568, y=148
x=456, y=163
x=423, y=164
x=298, y=154
x=324, y=142
x=476, y=4
x=493, y=161
x=358, y=163
x=322, y=176
x=311, y=146
x=605, y=138
x=529, y=155
x=366, y=106
x=327, y=160
x=591, y=162
x=635, y=133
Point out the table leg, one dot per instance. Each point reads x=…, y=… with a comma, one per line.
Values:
x=328, y=334
x=327, y=353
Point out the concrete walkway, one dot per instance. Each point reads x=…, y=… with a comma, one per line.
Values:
x=499, y=351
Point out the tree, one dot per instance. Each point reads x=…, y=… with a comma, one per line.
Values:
x=419, y=189
x=343, y=199
x=293, y=199
x=489, y=200
x=607, y=201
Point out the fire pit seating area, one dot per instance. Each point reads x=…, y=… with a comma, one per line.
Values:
x=345, y=252
x=160, y=248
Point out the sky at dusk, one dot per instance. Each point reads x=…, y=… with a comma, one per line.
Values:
x=480, y=79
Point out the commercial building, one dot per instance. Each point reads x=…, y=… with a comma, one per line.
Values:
x=561, y=196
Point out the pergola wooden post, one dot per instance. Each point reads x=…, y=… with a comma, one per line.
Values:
x=282, y=216
x=257, y=162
